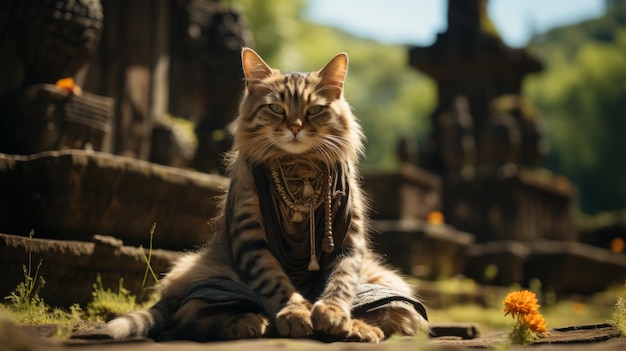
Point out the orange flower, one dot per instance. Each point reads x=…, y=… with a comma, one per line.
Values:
x=520, y=303
x=69, y=85
x=435, y=217
x=535, y=322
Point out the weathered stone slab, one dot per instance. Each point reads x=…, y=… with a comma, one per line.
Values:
x=463, y=331
x=587, y=333
x=70, y=268
x=497, y=262
x=519, y=206
x=566, y=267
x=74, y=194
x=574, y=267
x=410, y=193
x=426, y=250
x=44, y=117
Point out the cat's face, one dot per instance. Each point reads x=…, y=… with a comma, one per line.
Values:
x=296, y=113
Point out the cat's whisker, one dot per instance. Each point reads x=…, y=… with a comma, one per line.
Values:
x=328, y=153
x=259, y=145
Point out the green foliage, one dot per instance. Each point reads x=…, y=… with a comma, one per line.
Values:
x=25, y=306
x=148, y=259
x=274, y=25
x=582, y=96
x=107, y=304
x=520, y=334
x=25, y=297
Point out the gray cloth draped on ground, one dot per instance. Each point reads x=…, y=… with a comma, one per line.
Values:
x=225, y=293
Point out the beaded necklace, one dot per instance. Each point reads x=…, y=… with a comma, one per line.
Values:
x=310, y=198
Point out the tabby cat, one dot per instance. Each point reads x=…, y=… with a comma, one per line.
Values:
x=293, y=231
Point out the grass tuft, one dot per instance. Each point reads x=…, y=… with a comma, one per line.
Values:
x=25, y=306
x=148, y=259
x=107, y=304
x=618, y=319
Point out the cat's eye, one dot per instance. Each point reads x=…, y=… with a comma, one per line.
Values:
x=277, y=109
x=315, y=109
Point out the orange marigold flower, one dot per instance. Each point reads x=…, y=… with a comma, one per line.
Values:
x=535, y=322
x=520, y=303
x=435, y=217
x=69, y=85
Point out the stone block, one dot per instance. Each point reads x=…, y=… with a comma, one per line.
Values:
x=564, y=267
x=410, y=193
x=422, y=249
x=523, y=206
x=497, y=262
x=43, y=117
x=70, y=268
x=574, y=267
x=74, y=194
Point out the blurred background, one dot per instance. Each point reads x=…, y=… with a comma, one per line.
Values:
x=581, y=93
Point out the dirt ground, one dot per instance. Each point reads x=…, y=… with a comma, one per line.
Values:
x=601, y=337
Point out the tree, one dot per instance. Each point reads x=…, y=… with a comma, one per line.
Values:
x=582, y=96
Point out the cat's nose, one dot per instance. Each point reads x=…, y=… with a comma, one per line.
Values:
x=296, y=127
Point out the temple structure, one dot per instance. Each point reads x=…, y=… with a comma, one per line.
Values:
x=486, y=140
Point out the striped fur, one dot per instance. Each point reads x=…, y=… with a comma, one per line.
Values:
x=292, y=117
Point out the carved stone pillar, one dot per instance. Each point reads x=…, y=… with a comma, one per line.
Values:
x=52, y=40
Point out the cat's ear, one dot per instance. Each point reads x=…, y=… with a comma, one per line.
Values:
x=334, y=74
x=253, y=65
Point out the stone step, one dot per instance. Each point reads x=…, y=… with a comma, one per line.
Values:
x=70, y=267
x=73, y=194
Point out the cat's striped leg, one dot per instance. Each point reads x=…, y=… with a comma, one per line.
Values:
x=263, y=274
x=331, y=313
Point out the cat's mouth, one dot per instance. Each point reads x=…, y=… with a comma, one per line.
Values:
x=296, y=146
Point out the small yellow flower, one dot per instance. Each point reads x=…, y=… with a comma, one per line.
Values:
x=520, y=303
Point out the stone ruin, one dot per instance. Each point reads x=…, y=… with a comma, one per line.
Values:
x=84, y=168
x=486, y=144
x=506, y=220
x=86, y=162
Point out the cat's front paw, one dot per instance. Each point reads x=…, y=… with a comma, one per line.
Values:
x=248, y=325
x=334, y=323
x=363, y=332
x=330, y=320
x=294, y=321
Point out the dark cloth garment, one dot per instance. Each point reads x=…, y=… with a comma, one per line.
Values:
x=293, y=251
x=225, y=293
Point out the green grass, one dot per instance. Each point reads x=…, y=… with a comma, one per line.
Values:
x=24, y=305
x=107, y=304
x=558, y=312
x=618, y=319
